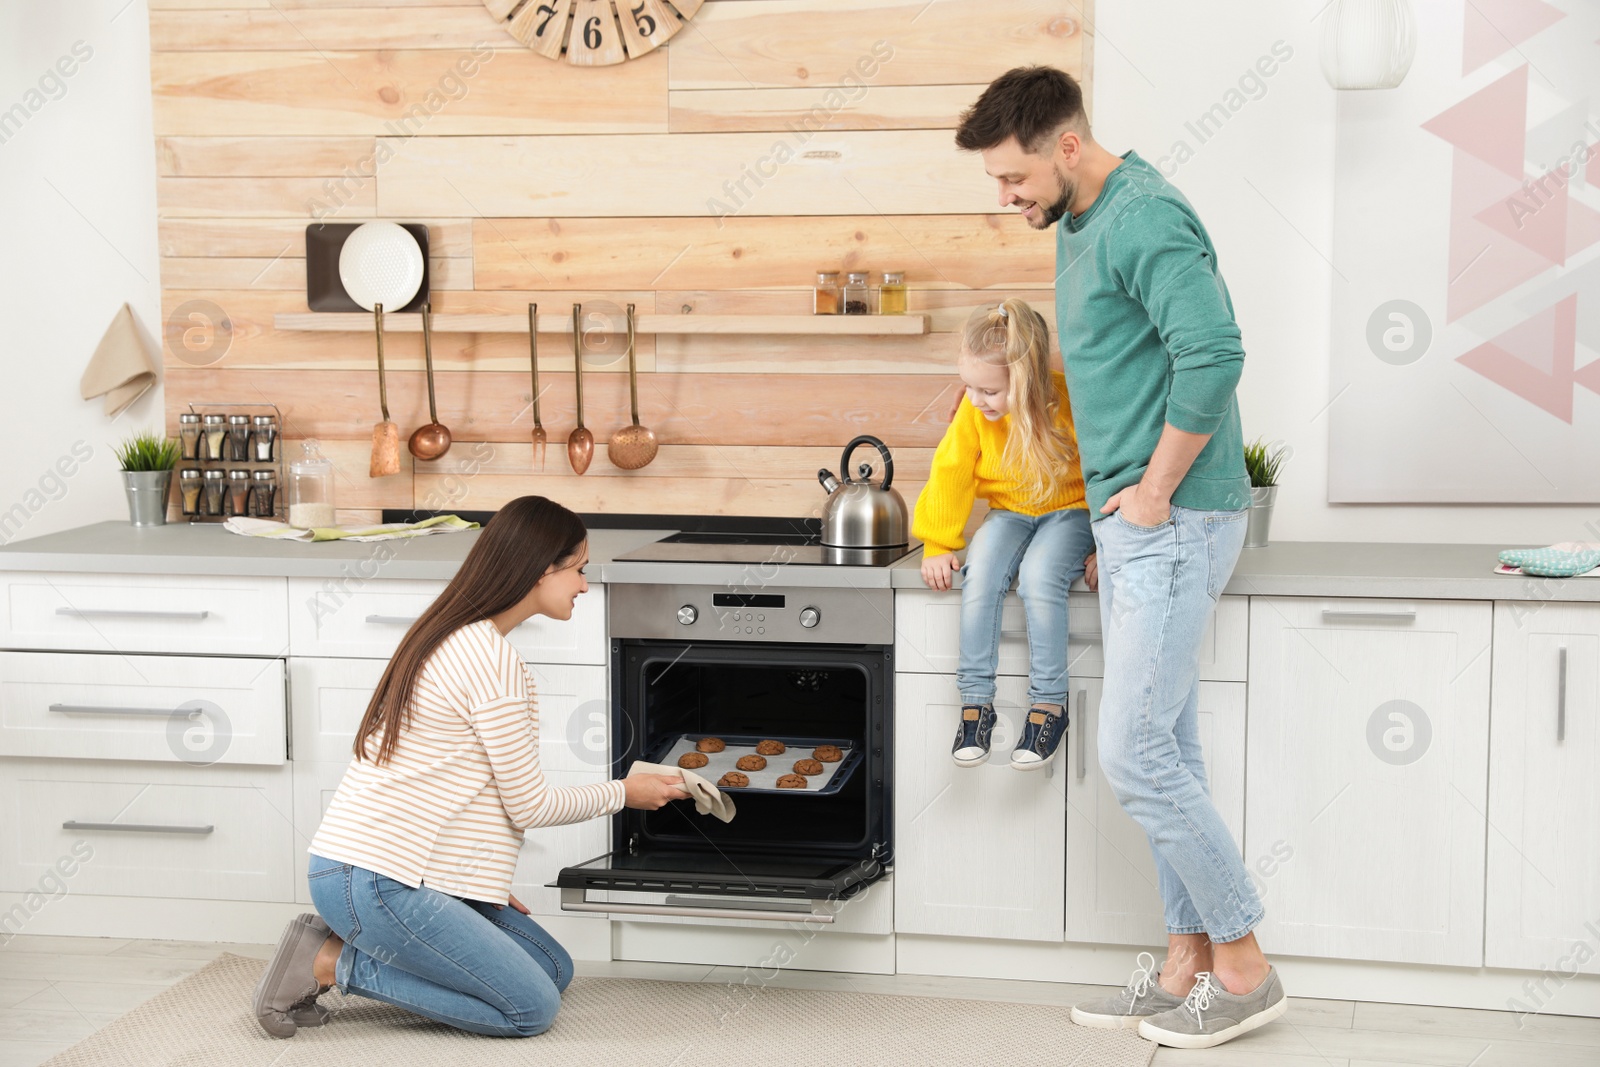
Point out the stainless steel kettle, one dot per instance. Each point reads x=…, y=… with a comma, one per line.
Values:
x=864, y=522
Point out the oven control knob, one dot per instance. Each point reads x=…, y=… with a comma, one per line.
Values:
x=809, y=617
x=687, y=614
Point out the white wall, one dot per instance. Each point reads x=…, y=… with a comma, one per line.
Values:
x=78, y=189
x=1263, y=184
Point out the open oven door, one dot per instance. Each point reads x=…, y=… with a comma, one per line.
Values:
x=711, y=885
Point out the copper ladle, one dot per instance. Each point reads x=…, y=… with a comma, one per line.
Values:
x=539, y=436
x=632, y=446
x=433, y=440
x=580, y=443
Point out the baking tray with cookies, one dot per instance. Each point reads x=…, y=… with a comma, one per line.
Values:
x=796, y=766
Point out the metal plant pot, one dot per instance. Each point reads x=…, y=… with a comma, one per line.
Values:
x=1260, y=517
x=147, y=496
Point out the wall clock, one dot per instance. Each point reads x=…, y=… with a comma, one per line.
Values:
x=593, y=33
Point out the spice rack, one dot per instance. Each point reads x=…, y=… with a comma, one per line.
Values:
x=204, y=461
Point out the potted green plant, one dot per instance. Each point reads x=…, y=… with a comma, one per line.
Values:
x=1263, y=463
x=147, y=460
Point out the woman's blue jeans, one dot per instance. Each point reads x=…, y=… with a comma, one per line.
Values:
x=1043, y=554
x=1159, y=587
x=461, y=962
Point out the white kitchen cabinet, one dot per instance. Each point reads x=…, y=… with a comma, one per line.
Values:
x=928, y=636
x=1543, y=883
x=191, y=709
x=1111, y=893
x=1368, y=757
x=547, y=849
x=314, y=785
x=148, y=829
x=214, y=615
x=978, y=850
x=366, y=620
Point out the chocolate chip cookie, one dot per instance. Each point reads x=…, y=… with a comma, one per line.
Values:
x=792, y=781
x=752, y=763
x=692, y=760
x=771, y=748
x=733, y=780
x=710, y=744
x=827, y=753
x=807, y=766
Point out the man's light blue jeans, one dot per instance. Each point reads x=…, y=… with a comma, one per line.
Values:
x=1042, y=554
x=1159, y=586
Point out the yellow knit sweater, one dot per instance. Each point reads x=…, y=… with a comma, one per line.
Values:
x=966, y=466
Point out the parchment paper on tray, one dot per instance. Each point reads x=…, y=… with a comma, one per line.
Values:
x=831, y=780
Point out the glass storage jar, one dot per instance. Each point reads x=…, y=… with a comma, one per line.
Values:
x=311, y=488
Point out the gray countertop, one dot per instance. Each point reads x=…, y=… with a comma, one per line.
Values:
x=1287, y=568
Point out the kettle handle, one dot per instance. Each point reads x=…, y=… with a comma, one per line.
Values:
x=883, y=450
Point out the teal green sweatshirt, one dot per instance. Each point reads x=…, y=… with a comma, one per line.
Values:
x=1147, y=338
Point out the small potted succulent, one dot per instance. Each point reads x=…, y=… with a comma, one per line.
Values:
x=1263, y=462
x=147, y=460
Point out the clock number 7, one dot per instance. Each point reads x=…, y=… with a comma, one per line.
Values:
x=549, y=13
x=646, y=24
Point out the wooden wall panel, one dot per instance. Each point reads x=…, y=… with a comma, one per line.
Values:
x=680, y=182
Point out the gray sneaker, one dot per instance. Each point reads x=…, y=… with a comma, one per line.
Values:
x=1141, y=998
x=1210, y=1015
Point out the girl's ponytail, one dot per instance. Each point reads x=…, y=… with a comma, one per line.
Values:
x=1013, y=335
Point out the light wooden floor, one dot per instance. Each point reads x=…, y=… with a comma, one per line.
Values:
x=56, y=990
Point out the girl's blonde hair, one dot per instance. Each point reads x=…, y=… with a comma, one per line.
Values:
x=1014, y=336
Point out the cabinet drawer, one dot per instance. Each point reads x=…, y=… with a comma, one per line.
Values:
x=191, y=709
x=928, y=636
x=140, y=829
x=330, y=696
x=144, y=613
x=368, y=622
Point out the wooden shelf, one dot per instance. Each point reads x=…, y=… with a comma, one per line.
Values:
x=912, y=325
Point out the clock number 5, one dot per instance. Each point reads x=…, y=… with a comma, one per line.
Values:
x=549, y=13
x=646, y=24
x=591, y=33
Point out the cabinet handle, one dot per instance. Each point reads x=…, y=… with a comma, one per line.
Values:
x=131, y=613
x=393, y=620
x=1561, y=695
x=1075, y=635
x=1367, y=613
x=111, y=709
x=137, y=827
x=1080, y=765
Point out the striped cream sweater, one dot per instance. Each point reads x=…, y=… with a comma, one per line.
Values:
x=449, y=808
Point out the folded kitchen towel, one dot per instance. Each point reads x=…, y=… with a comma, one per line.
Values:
x=282, y=531
x=1569, y=559
x=708, y=799
x=121, y=369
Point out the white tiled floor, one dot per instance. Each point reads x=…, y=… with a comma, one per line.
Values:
x=57, y=990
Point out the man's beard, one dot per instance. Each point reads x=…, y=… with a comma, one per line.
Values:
x=1057, y=210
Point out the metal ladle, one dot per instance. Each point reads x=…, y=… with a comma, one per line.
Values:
x=433, y=440
x=580, y=443
x=632, y=446
x=540, y=438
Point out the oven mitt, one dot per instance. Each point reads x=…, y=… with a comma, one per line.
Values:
x=1566, y=560
x=708, y=799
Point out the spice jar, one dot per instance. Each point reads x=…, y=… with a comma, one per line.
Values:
x=892, y=293
x=189, y=484
x=238, y=438
x=855, y=294
x=311, y=489
x=263, y=436
x=214, y=434
x=238, y=492
x=189, y=436
x=825, y=298
x=264, y=494
x=215, y=492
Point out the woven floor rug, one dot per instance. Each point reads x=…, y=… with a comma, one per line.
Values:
x=205, y=1021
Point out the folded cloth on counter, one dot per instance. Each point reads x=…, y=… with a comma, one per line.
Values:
x=282, y=531
x=708, y=799
x=1569, y=559
x=121, y=369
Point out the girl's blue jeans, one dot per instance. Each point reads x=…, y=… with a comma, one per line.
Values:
x=1043, y=554
x=461, y=962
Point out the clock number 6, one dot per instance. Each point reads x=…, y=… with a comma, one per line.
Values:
x=549, y=13
x=591, y=33
x=646, y=24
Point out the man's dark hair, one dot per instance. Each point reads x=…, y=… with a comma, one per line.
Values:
x=1028, y=103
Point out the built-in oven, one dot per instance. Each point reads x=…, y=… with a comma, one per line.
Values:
x=805, y=667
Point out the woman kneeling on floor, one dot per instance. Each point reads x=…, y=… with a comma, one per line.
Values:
x=411, y=867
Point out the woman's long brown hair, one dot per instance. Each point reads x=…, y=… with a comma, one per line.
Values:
x=524, y=540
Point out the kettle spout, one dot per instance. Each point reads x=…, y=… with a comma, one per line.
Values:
x=829, y=482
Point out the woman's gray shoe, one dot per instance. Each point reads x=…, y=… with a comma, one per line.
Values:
x=1141, y=998
x=285, y=998
x=1210, y=1015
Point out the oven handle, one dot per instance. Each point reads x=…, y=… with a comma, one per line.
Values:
x=576, y=900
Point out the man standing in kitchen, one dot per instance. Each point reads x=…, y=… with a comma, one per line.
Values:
x=1152, y=356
